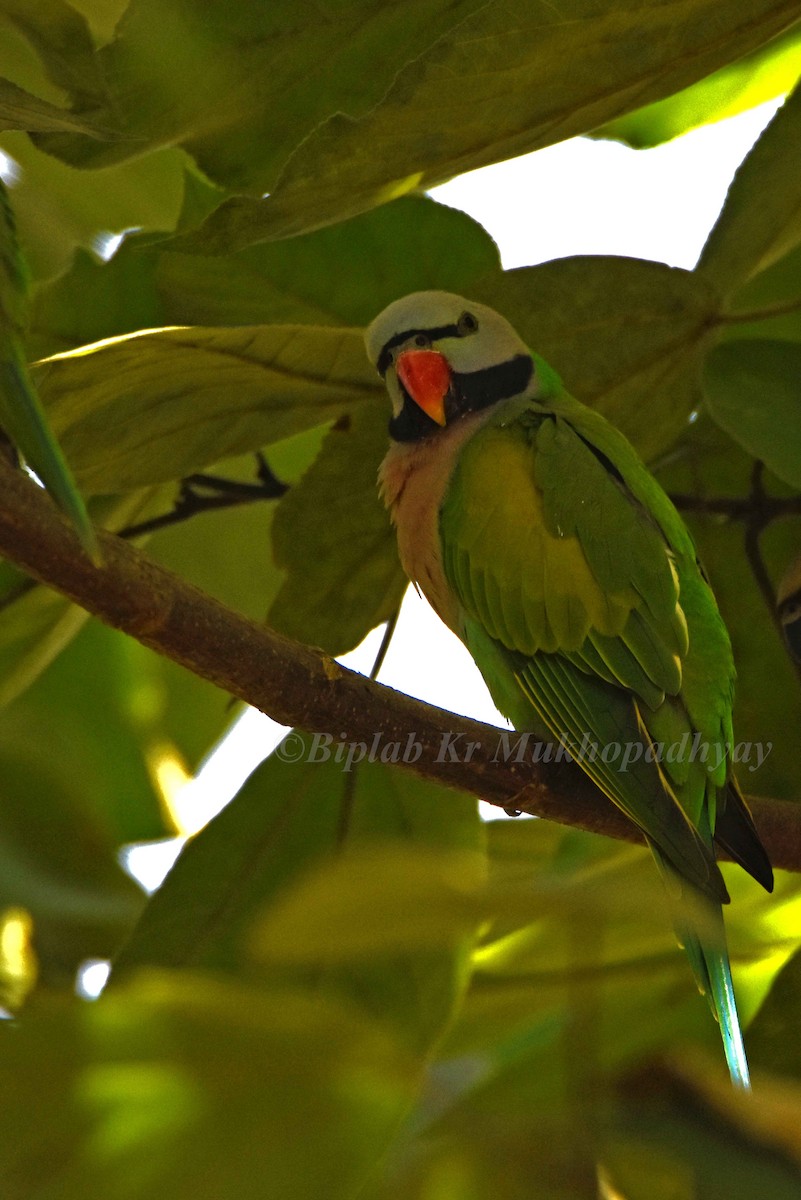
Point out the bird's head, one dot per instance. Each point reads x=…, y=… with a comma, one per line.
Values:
x=442, y=357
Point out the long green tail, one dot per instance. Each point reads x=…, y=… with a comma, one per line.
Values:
x=713, y=973
x=704, y=942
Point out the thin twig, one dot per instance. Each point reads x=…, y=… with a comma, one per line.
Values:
x=224, y=493
x=389, y=630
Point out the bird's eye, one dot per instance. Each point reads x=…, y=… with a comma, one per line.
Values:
x=467, y=323
x=422, y=341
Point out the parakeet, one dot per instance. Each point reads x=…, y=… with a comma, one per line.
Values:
x=544, y=543
x=21, y=415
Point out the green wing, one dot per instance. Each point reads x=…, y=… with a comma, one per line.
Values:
x=585, y=609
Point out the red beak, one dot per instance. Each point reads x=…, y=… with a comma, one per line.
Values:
x=426, y=376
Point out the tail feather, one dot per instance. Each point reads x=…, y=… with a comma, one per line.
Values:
x=704, y=941
x=712, y=971
x=736, y=833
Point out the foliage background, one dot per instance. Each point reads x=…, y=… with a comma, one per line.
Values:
x=348, y=985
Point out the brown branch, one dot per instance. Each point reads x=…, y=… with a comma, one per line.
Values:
x=303, y=687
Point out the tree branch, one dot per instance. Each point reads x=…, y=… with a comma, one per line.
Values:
x=302, y=687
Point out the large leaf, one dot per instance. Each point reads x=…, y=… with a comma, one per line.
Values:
x=753, y=389
x=770, y=71
x=502, y=83
x=338, y=276
x=160, y=405
x=199, y=1088
x=761, y=219
x=333, y=538
x=626, y=336
x=241, y=86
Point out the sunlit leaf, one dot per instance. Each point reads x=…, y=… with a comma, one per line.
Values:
x=61, y=39
x=338, y=276
x=770, y=71
x=357, y=908
x=160, y=405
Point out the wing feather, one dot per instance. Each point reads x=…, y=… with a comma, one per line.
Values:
x=561, y=548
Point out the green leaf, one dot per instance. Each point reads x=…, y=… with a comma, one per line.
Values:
x=753, y=389
x=201, y=1088
x=502, y=83
x=343, y=576
x=760, y=220
x=770, y=71
x=160, y=405
x=338, y=276
x=626, y=335
x=240, y=87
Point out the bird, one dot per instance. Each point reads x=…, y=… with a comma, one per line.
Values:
x=544, y=543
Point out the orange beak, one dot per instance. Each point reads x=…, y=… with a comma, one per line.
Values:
x=427, y=377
